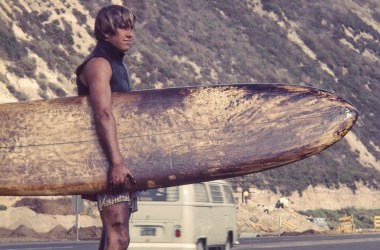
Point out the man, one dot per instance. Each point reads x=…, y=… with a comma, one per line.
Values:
x=102, y=73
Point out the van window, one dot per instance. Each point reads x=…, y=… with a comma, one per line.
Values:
x=216, y=193
x=228, y=194
x=200, y=192
x=169, y=194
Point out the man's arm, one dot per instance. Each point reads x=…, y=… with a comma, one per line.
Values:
x=96, y=76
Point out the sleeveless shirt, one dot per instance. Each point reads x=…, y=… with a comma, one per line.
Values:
x=119, y=83
x=119, y=80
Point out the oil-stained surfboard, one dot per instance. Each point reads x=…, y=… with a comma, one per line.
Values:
x=168, y=137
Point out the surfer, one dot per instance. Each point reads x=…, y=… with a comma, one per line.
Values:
x=102, y=73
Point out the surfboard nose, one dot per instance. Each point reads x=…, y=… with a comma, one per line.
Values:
x=352, y=113
x=351, y=116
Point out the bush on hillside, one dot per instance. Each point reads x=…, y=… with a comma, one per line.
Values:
x=14, y=49
x=57, y=90
x=81, y=18
x=363, y=218
x=60, y=206
x=25, y=67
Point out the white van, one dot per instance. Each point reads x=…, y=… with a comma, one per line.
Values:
x=195, y=216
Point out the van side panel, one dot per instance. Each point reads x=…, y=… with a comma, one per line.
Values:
x=230, y=212
x=150, y=224
x=170, y=219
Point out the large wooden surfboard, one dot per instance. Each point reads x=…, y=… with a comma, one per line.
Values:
x=168, y=137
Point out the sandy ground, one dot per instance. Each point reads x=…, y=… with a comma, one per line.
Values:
x=320, y=197
x=14, y=217
x=52, y=218
x=253, y=219
x=47, y=219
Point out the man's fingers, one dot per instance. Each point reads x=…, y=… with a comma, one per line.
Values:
x=131, y=178
x=115, y=186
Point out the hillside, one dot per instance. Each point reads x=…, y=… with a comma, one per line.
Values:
x=328, y=44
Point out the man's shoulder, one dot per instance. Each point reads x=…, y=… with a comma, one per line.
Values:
x=99, y=63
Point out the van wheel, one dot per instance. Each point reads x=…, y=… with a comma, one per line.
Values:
x=201, y=245
x=228, y=245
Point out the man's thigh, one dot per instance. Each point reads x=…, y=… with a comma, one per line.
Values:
x=116, y=216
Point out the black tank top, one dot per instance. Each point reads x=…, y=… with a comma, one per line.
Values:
x=119, y=79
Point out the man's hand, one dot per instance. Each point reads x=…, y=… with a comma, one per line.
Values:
x=116, y=177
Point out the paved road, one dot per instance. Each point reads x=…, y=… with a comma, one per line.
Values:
x=345, y=242
x=337, y=242
x=74, y=245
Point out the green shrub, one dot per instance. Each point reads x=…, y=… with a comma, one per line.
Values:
x=44, y=16
x=81, y=18
x=3, y=207
x=4, y=79
x=57, y=90
x=376, y=16
x=21, y=96
x=26, y=66
x=14, y=49
x=272, y=7
x=363, y=218
x=43, y=94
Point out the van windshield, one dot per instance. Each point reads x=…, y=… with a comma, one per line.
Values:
x=169, y=194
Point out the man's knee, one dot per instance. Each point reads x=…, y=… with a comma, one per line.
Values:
x=120, y=235
x=115, y=219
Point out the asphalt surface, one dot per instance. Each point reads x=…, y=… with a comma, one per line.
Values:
x=337, y=242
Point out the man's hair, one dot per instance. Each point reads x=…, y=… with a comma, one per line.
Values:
x=110, y=18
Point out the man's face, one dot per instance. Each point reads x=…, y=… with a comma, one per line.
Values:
x=122, y=40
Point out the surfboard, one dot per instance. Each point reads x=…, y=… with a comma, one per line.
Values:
x=168, y=136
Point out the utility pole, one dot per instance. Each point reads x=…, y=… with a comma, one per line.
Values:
x=77, y=208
